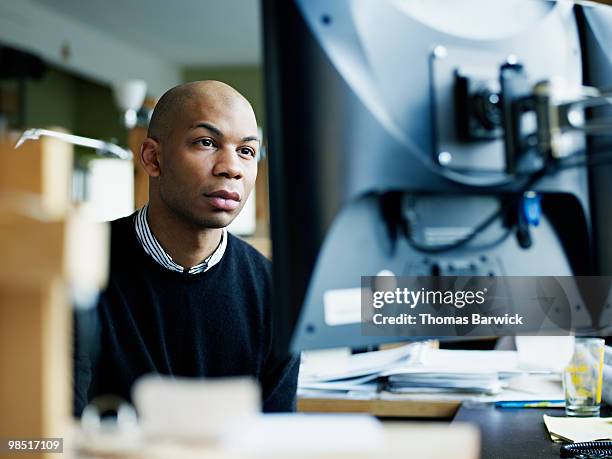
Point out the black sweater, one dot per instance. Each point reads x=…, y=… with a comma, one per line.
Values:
x=215, y=323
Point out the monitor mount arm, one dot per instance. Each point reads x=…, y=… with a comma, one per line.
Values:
x=535, y=121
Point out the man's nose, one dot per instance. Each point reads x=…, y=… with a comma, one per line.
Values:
x=227, y=164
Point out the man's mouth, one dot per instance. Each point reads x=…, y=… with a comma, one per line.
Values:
x=224, y=199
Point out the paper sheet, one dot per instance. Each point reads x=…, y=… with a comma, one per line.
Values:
x=578, y=429
x=359, y=365
x=472, y=361
x=194, y=408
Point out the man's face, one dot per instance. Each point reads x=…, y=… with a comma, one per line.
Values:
x=208, y=161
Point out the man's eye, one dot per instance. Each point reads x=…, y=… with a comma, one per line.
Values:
x=247, y=152
x=206, y=142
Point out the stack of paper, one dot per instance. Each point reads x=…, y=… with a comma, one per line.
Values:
x=419, y=380
x=419, y=369
x=501, y=362
x=355, y=375
x=452, y=371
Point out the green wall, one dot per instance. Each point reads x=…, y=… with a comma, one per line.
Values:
x=83, y=107
x=49, y=101
x=97, y=114
x=87, y=108
x=248, y=80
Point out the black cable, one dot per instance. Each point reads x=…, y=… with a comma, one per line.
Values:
x=598, y=159
x=595, y=448
x=433, y=249
x=551, y=167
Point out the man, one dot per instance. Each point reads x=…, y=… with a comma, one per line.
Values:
x=185, y=297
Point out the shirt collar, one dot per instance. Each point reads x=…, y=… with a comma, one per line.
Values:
x=154, y=249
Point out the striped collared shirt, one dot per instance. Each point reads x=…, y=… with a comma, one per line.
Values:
x=153, y=248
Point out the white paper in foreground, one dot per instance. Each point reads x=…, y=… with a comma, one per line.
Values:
x=194, y=408
x=308, y=434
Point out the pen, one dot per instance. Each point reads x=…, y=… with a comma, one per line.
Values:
x=531, y=404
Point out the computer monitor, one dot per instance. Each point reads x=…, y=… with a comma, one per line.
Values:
x=396, y=148
x=596, y=36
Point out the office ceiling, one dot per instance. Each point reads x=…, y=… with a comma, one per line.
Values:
x=186, y=32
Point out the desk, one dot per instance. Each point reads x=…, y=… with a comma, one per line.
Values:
x=511, y=433
x=504, y=433
x=403, y=408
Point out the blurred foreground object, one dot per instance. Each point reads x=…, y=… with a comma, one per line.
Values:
x=50, y=253
x=105, y=183
x=194, y=409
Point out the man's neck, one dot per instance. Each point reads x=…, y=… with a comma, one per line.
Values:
x=187, y=244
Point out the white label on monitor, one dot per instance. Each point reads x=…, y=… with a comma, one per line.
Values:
x=342, y=307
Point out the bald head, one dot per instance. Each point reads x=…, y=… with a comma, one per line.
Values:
x=201, y=154
x=173, y=104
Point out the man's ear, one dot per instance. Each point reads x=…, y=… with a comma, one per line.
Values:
x=150, y=151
